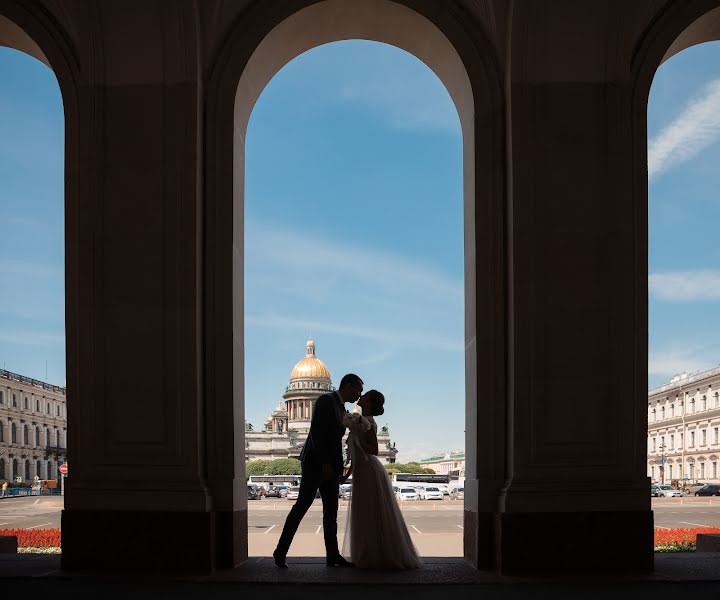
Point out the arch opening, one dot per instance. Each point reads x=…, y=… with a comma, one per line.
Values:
x=39, y=176
x=375, y=21
x=477, y=95
x=376, y=231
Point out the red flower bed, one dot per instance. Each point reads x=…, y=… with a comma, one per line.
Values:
x=681, y=536
x=35, y=538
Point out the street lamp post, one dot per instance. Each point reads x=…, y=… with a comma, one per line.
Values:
x=662, y=464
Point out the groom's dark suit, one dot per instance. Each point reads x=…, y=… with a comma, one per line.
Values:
x=322, y=446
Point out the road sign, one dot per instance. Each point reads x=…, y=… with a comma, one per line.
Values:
x=63, y=469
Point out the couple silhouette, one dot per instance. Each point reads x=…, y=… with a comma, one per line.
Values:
x=375, y=533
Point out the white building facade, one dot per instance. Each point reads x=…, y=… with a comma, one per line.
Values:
x=450, y=463
x=684, y=430
x=33, y=428
x=286, y=428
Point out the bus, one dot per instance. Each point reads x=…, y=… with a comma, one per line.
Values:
x=419, y=478
x=268, y=480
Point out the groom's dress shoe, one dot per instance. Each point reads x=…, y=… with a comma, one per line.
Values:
x=280, y=560
x=339, y=561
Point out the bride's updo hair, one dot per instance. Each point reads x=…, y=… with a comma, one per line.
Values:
x=378, y=402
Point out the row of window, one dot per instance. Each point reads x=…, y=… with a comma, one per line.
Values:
x=26, y=435
x=700, y=406
x=44, y=470
x=26, y=404
x=694, y=471
x=309, y=385
x=691, y=440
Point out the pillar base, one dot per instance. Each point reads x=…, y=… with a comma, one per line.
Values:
x=231, y=539
x=478, y=534
x=561, y=543
x=153, y=540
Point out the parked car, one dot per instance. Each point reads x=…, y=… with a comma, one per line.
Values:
x=345, y=492
x=252, y=493
x=694, y=487
x=445, y=489
x=457, y=494
x=653, y=490
x=293, y=492
x=432, y=493
x=667, y=491
x=276, y=491
x=711, y=489
x=407, y=493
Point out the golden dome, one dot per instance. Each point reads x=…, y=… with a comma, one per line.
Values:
x=310, y=366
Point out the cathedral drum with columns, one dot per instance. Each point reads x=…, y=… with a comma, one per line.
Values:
x=286, y=428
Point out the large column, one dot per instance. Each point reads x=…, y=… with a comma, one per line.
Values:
x=577, y=498
x=133, y=294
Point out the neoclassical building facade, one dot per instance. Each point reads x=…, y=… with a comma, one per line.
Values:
x=33, y=428
x=684, y=429
x=449, y=463
x=286, y=428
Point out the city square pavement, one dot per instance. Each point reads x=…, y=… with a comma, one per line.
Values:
x=436, y=527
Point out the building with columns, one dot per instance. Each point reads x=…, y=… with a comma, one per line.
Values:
x=684, y=429
x=286, y=428
x=33, y=428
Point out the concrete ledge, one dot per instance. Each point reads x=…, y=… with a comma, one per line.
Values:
x=708, y=542
x=591, y=543
x=139, y=540
x=8, y=544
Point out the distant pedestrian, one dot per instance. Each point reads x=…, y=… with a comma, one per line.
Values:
x=4, y=488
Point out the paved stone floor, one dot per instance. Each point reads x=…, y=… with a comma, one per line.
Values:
x=676, y=576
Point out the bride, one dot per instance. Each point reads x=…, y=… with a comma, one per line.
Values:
x=375, y=534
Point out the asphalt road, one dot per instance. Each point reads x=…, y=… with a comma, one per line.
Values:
x=422, y=517
x=30, y=512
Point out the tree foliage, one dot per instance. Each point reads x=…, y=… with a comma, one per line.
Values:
x=411, y=467
x=280, y=466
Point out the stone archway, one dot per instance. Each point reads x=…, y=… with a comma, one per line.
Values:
x=246, y=64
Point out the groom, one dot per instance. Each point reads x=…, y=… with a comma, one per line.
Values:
x=322, y=465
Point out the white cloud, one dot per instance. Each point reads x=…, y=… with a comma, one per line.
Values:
x=396, y=337
x=302, y=254
x=696, y=128
x=13, y=268
x=405, y=106
x=32, y=339
x=374, y=359
x=685, y=286
x=668, y=363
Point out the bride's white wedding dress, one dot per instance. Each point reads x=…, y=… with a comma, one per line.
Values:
x=375, y=534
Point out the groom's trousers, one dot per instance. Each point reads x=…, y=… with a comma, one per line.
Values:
x=312, y=480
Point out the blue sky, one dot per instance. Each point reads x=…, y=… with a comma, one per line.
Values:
x=355, y=236
x=32, y=329
x=684, y=209
x=354, y=212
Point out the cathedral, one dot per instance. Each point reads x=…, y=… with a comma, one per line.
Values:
x=286, y=428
